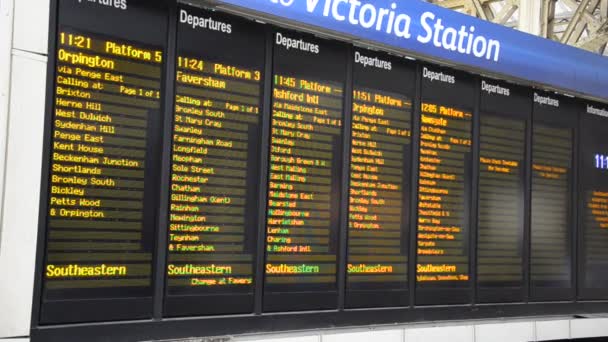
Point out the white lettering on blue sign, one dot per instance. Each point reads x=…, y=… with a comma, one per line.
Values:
x=391, y=20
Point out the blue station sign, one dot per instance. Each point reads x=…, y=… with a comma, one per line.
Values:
x=428, y=30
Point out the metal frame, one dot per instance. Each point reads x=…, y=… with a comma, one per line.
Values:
x=264, y=174
x=415, y=139
x=165, y=174
x=344, y=196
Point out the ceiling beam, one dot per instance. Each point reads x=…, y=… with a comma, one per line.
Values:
x=574, y=21
x=506, y=13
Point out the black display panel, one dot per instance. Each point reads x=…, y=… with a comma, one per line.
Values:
x=505, y=112
x=215, y=165
x=551, y=216
x=484, y=166
x=444, y=187
x=593, y=203
x=305, y=173
x=380, y=184
x=102, y=185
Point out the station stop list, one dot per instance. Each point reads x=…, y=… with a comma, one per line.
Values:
x=304, y=170
x=379, y=188
x=444, y=182
x=445, y=138
x=213, y=205
x=105, y=91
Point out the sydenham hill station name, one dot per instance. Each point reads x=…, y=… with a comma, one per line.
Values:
x=394, y=21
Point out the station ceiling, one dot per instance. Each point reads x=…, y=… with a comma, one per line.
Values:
x=580, y=23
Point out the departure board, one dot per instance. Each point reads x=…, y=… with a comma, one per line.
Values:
x=505, y=113
x=593, y=203
x=198, y=163
x=215, y=165
x=101, y=186
x=444, y=186
x=555, y=120
x=305, y=173
x=379, y=190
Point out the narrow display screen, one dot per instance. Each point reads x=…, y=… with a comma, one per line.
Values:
x=102, y=192
x=444, y=181
x=551, y=207
x=593, y=201
x=505, y=111
x=215, y=165
x=305, y=173
x=379, y=192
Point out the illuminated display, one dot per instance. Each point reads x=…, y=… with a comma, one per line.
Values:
x=550, y=230
x=593, y=210
x=379, y=188
x=215, y=166
x=505, y=110
x=305, y=169
x=107, y=101
x=601, y=162
x=500, y=200
x=98, y=164
x=443, y=186
x=98, y=167
x=552, y=157
x=445, y=138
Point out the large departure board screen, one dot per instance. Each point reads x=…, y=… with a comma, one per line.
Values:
x=551, y=218
x=444, y=187
x=379, y=190
x=504, y=117
x=305, y=173
x=215, y=165
x=102, y=189
x=202, y=163
x=593, y=203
